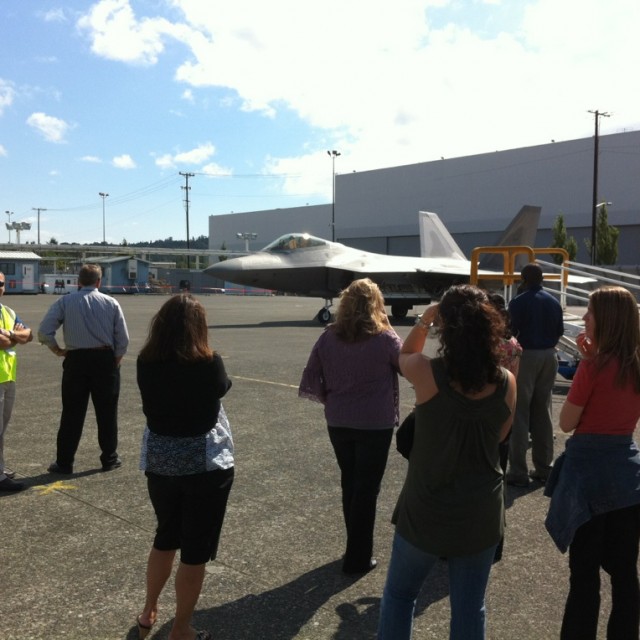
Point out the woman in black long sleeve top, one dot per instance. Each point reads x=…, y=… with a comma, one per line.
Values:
x=187, y=455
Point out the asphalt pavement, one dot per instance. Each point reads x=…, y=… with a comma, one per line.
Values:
x=73, y=549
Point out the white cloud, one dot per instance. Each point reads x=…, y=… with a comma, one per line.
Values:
x=165, y=161
x=125, y=161
x=400, y=82
x=91, y=159
x=3, y=151
x=53, y=15
x=7, y=95
x=196, y=156
x=187, y=95
x=213, y=169
x=117, y=34
x=51, y=128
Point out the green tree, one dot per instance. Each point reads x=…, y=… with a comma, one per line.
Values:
x=563, y=241
x=606, y=239
x=223, y=247
x=53, y=241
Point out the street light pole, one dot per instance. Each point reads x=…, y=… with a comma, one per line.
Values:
x=39, y=209
x=333, y=154
x=594, y=201
x=9, y=214
x=104, y=236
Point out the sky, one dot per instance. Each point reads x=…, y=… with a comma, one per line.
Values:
x=124, y=97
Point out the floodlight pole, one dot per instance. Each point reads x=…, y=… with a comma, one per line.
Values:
x=333, y=154
x=9, y=214
x=104, y=236
x=246, y=237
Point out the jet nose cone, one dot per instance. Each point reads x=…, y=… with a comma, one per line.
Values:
x=223, y=269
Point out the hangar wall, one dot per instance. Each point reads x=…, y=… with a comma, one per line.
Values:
x=475, y=196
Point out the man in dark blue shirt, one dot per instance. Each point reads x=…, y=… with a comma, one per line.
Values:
x=536, y=321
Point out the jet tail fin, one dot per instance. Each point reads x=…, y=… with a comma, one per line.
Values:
x=435, y=240
x=522, y=231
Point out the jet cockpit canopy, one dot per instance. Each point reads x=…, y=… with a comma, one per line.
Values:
x=295, y=241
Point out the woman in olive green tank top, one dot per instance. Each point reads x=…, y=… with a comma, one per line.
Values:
x=452, y=502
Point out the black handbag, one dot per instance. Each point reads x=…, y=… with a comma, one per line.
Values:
x=404, y=435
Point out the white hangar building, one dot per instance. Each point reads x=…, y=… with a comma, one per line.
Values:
x=475, y=196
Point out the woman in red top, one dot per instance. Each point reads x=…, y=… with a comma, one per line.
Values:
x=595, y=484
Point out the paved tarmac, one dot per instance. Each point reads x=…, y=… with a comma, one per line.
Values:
x=73, y=549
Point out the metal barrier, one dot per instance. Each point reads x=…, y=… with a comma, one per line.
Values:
x=509, y=276
x=568, y=274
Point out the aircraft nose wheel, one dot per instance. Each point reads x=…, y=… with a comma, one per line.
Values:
x=324, y=315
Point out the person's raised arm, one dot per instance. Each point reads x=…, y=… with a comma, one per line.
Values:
x=413, y=365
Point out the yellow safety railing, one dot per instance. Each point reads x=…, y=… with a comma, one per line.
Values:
x=509, y=255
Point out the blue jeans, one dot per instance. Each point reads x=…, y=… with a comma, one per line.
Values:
x=408, y=568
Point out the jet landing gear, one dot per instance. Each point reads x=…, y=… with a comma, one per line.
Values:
x=324, y=315
x=399, y=312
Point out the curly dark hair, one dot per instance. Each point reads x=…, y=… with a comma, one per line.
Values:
x=471, y=332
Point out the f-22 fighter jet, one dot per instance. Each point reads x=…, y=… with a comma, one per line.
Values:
x=303, y=264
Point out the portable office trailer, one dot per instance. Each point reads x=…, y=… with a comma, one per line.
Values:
x=21, y=271
x=121, y=274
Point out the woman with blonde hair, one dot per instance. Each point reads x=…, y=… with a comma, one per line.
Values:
x=187, y=456
x=353, y=371
x=595, y=483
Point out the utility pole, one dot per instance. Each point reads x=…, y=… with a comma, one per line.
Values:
x=333, y=154
x=186, y=201
x=38, y=209
x=594, y=201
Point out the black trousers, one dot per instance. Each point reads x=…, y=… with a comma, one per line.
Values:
x=190, y=512
x=89, y=373
x=362, y=458
x=610, y=541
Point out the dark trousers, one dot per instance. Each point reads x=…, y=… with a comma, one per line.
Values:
x=610, y=541
x=89, y=373
x=190, y=512
x=362, y=458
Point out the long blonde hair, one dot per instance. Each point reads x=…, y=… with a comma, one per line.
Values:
x=617, y=332
x=360, y=312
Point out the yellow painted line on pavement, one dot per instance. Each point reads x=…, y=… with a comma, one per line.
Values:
x=277, y=384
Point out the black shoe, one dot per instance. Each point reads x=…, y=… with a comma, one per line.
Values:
x=63, y=469
x=11, y=485
x=116, y=464
x=353, y=569
x=10, y=474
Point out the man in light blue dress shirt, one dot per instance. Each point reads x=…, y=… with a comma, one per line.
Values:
x=95, y=338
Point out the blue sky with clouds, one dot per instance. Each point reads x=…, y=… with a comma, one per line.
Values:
x=120, y=96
